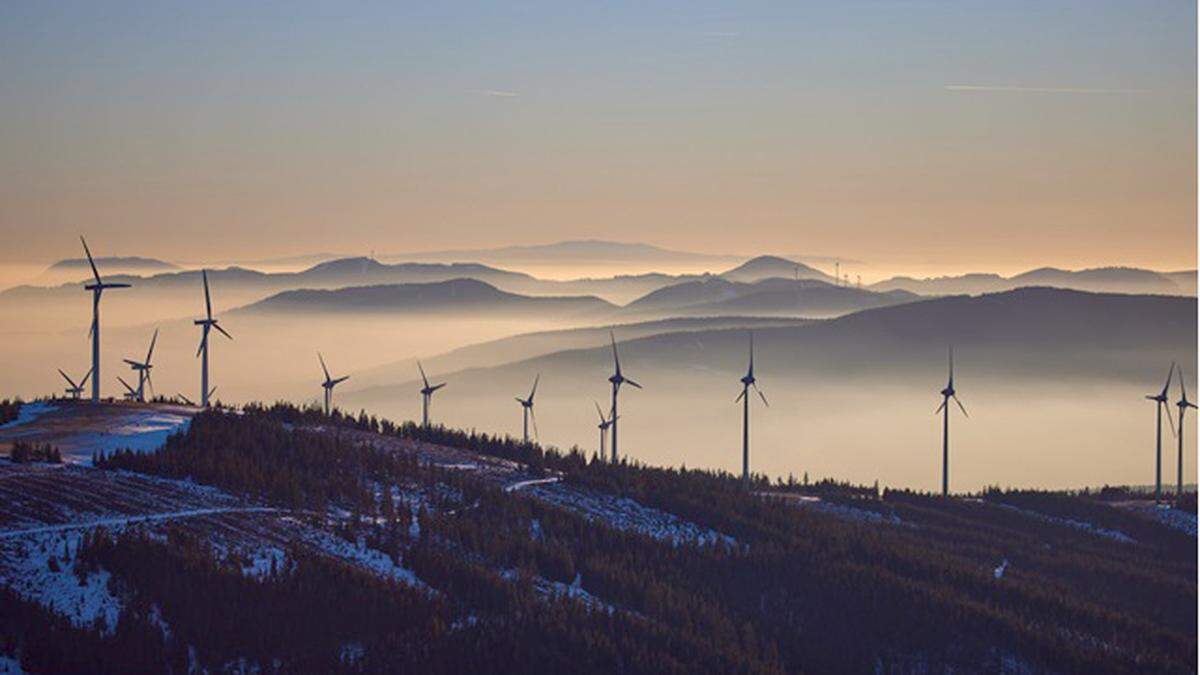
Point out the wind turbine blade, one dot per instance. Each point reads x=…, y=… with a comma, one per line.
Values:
x=436, y=387
x=184, y=399
x=203, y=341
x=322, y=360
x=153, y=340
x=133, y=364
x=339, y=380
x=940, y=407
x=212, y=391
x=222, y=330
x=1167, y=384
x=85, y=378
x=960, y=406
x=951, y=365
x=69, y=381
x=616, y=359
x=1182, y=386
x=761, y=395
x=95, y=272
x=632, y=383
x=127, y=387
x=151, y=383
x=520, y=400
x=740, y=396
x=533, y=418
x=423, y=378
x=599, y=412
x=751, y=353
x=535, y=384
x=1171, y=423
x=207, y=298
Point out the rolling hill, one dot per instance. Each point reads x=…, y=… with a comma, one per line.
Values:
x=1097, y=280
x=453, y=296
x=530, y=345
x=1022, y=334
x=713, y=296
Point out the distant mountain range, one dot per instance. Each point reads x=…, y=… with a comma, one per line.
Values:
x=1027, y=334
x=1099, y=280
x=238, y=285
x=529, y=345
x=454, y=296
x=131, y=264
x=715, y=296
x=576, y=251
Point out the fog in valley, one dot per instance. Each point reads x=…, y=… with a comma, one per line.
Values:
x=1053, y=379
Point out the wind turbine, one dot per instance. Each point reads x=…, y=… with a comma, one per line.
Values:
x=617, y=380
x=604, y=425
x=1160, y=403
x=748, y=381
x=75, y=390
x=97, y=290
x=130, y=393
x=208, y=322
x=527, y=409
x=947, y=394
x=328, y=384
x=427, y=393
x=142, y=369
x=1183, y=403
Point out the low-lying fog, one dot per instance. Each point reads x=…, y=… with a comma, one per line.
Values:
x=1022, y=431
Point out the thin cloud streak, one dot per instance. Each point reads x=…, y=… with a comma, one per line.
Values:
x=498, y=93
x=1012, y=89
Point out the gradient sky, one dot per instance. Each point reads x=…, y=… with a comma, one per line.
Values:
x=955, y=134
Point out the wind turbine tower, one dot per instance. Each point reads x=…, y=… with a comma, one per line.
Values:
x=617, y=380
x=1183, y=404
x=1160, y=403
x=603, y=426
x=748, y=381
x=947, y=394
x=329, y=384
x=527, y=409
x=142, y=368
x=208, y=323
x=427, y=394
x=97, y=290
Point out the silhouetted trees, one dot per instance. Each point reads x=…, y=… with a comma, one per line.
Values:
x=23, y=452
x=798, y=590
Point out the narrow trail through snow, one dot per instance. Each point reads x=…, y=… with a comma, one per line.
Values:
x=126, y=520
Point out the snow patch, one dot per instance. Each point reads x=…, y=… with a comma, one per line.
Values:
x=29, y=412
x=42, y=569
x=999, y=571
x=625, y=514
x=1115, y=535
x=140, y=432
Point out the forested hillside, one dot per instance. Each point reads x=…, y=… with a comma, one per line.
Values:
x=503, y=556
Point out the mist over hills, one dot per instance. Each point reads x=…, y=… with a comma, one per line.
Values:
x=772, y=296
x=769, y=266
x=1098, y=280
x=454, y=296
x=1022, y=334
x=529, y=345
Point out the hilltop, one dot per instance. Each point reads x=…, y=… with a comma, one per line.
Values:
x=280, y=538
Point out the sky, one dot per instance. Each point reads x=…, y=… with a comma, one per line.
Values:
x=948, y=135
